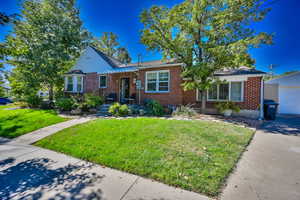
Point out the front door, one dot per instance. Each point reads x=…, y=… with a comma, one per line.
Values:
x=124, y=90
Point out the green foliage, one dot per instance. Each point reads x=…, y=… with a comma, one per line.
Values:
x=118, y=110
x=65, y=104
x=154, y=108
x=184, y=111
x=93, y=101
x=207, y=36
x=108, y=43
x=123, y=55
x=44, y=43
x=196, y=155
x=33, y=101
x=227, y=105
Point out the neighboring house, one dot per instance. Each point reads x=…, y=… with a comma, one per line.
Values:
x=43, y=93
x=286, y=91
x=97, y=73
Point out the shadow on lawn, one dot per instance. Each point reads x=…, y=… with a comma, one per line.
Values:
x=32, y=179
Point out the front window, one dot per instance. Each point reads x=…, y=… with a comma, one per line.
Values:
x=213, y=92
x=236, y=91
x=157, y=81
x=70, y=84
x=232, y=91
x=79, y=83
x=74, y=83
x=103, y=81
x=223, y=91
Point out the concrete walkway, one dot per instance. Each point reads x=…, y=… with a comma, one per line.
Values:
x=269, y=169
x=29, y=172
x=39, y=134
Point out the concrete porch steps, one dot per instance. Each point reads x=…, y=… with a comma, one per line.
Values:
x=103, y=110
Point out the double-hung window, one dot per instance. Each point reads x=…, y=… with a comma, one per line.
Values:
x=74, y=83
x=232, y=91
x=79, y=83
x=158, y=81
x=69, y=83
x=103, y=81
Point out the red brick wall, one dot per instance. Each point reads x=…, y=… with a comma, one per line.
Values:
x=113, y=83
x=251, y=95
x=174, y=96
x=90, y=83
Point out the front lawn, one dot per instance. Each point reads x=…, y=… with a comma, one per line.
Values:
x=14, y=123
x=194, y=155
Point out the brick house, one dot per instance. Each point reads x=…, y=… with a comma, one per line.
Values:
x=100, y=74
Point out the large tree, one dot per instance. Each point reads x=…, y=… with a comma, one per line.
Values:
x=4, y=19
x=108, y=43
x=44, y=43
x=205, y=35
x=123, y=55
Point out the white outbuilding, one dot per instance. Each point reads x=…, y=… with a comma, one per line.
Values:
x=286, y=91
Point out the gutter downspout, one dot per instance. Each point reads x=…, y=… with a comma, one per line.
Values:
x=261, y=113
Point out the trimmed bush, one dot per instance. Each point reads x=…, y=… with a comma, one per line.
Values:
x=46, y=105
x=93, y=101
x=65, y=104
x=187, y=111
x=118, y=110
x=154, y=108
x=227, y=105
x=33, y=101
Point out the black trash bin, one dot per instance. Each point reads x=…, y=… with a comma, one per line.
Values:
x=270, y=109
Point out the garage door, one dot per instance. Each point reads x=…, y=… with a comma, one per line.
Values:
x=289, y=100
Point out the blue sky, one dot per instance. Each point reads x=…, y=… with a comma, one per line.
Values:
x=122, y=18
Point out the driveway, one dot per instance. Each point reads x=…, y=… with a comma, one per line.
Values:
x=270, y=168
x=284, y=124
x=28, y=172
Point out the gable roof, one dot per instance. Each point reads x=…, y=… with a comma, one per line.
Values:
x=110, y=60
x=93, y=60
x=240, y=71
x=288, y=80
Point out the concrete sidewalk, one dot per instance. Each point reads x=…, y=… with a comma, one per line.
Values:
x=268, y=170
x=28, y=172
x=39, y=134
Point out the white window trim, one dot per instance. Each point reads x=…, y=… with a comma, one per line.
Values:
x=74, y=79
x=105, y=81
x=229, y=96
x=157, y=82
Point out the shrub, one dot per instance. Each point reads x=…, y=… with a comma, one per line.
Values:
x=83, y=107
x=93, y=101
x=33, y=101
x=118, y=110
x=227, y=105
x=184, y=111
x=65, y=104
x=21, y=104
x=47, y=105
x=154, y=108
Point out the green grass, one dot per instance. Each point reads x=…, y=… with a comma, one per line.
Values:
x=14, y=123
x=194, y=155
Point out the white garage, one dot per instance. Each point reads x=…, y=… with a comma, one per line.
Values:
x=286, y=91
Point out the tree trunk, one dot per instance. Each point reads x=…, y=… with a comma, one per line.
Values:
x=203, y=101
x=51, y=93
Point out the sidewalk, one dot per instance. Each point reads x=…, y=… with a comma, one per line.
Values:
x=29, y=172
x=39, y=134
